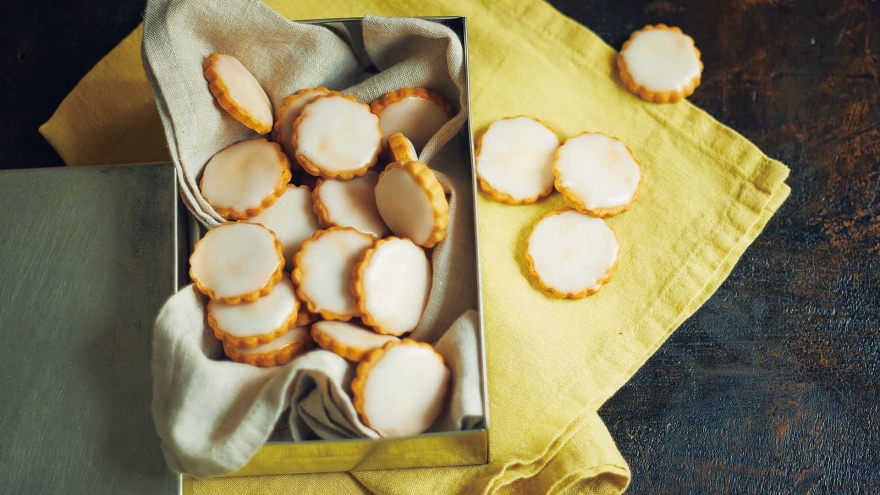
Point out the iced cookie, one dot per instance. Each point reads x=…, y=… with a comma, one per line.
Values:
x=291, y=218
x=412, y=203
x=418, y=113
x=336, y=137
x=238, y=92
x=276, y=353
x=391, y=285
x=350, y=203
x=597, y=174
x=245, y=178
x=237, y=262
x=323, y=271
x=353, y=342
x=400, y=389
x=570, y=254
x=660, y=64
x=288, y=113
x=259, y=322
x=515, y=160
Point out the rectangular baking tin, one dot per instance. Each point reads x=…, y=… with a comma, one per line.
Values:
x=430, y=449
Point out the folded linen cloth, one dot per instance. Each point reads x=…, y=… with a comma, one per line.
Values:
x=708, y=193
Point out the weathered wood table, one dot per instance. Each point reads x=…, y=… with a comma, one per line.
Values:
x=774, y=385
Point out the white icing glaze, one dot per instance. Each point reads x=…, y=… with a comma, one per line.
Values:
x=404, y=205
x=235, y=259
x=405, y=391
x=242, y=175
x=599, y=170
x=352, y=203
x=291, y=218
x=396, y=284
x=337, y=134
x=263, y=316
x=292, y=336
x=352, y=335
x=572, y=251
x=417, y=118
x=661, y=60
x=327, y=264
x=244, y=88
x=516, y=157
x=289, y=114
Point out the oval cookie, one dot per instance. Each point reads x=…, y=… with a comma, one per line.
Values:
x=245, y=178
x=660, y=64
x=597, y=174
x=291, y=218
x=514, y=159
x=323, y=271
x=571, y=254
x=417, y=113
x=259, y=322
x=391, y=284
x=412, y=203
x=238, y=92
x=353, y=342
x=237, y=262
x=400, y=389
x=275, y=353
x=290, y=109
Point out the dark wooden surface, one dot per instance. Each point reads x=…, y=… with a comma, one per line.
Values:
x=774, y=385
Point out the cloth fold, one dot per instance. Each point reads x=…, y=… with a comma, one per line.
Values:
x=708, y=193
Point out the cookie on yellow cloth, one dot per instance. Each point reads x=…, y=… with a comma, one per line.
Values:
x=417, y=113
x=237, y=262
x=391, y=284
x=400, y=389
x=571, y=254
x=660, y=64
x=290, y=109
x=291, y=218
x=597, y=174
x=238, y=91
x=349, y=203
x=322, y=271
x=514, y=160
x=260, y=322
x=275, y=353
x=351, y=341
x=245, y=178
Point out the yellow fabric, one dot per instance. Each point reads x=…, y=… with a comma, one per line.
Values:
x=707, y=194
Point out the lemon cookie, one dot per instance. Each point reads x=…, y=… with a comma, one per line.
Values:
x=597, y=174
x=275, y=353
x=290, y=109
x=336, y=137
x=237, y=262
x=291, y=218
x=514, y=160
x=238, y=92
x=353, y=342
x=350, y=203
x=660, y=64
x=400, y=389
x=391, y=285
x=245, y=178
x=323, y=271
x=418, y=113
x=259, y=322
x=571, y=254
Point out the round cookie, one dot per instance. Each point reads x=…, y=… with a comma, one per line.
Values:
x=291, y=218
x=290, y=109
x=245, y=178
x=391, y=284
x=597, y=174
x=238, y=92
x=275, y=353
x=417, y=113
x=353, y=342
x=514, y=160
x=237, y=262
x=259, y=322
x=349, y=203
x=323, y=271
x=400, y=389
x=570, y=254
x=660, y=64
x=336, y=137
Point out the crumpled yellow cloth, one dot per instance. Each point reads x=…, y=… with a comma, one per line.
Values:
x=708, y=192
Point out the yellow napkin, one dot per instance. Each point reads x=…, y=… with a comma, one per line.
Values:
x=708, y=192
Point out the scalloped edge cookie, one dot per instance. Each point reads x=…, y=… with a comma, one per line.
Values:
x=220, y=90
x=648, y=94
